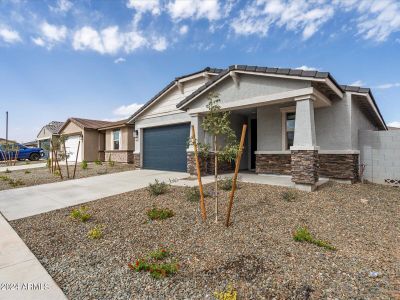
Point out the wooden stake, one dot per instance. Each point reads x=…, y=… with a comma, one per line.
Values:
x=58, y=165
x=216, y=178
x=76, y=159
x=202, y=205
x=238, y=158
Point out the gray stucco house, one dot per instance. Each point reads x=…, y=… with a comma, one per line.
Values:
x=300, y=123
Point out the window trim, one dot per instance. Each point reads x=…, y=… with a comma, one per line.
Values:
x=119, y=139
x=284, y=112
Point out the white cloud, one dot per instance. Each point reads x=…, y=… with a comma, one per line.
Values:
x=358, y=83
x=183, y=30
x=160, y=44
x=307, y=68
x=394, y=124
x=302, y=16
x=388, y=85
x=62, y=6
x=9, y=36
x=108, y=41
x=50, y=35
x=195, y=9
x=119, y=60
x=125, y=111
x=143, y=6
x=377, y=19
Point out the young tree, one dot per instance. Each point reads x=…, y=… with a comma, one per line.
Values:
x=217, y=124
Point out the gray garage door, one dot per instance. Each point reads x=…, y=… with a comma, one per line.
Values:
x=164, y=148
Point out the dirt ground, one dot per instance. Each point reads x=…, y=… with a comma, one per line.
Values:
x=256, y=254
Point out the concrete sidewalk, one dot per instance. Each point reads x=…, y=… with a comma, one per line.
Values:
x=23, y=167
x=29, y=201
x=21, y=274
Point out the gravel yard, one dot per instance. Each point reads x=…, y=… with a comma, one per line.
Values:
x=257, y=254
x=36, y=176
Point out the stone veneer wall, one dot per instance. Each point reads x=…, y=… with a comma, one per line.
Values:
x=207, y=166
x=123, y=156
x=305, y=166
x=273, y=164
x=136, y=160
x=339, y=166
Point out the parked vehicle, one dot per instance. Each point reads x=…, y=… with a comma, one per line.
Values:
x=23, y=152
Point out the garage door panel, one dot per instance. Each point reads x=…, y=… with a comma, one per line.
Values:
x=71, y=145
x=164, y=148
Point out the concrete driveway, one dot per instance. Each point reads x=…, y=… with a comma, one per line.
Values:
x=29, y=201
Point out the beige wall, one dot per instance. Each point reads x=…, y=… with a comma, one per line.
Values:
x=72, y=128
x=126, y=142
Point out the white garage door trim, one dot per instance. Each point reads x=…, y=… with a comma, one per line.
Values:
x=71, y=145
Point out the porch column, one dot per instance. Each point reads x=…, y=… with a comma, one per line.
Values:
x=304, y=152
x=196, y=121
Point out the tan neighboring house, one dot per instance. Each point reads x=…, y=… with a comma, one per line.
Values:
x=95, y=138
x=47, y=134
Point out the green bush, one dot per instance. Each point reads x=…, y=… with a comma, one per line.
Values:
x=289, y=196
x=98, y=162
x=27, y=172
x=159, y=213
x=80, y=214
x=303, y=235
x=158, y=188
x=4, y=178
x=159, y=254
x=16, y=182
x=96, y=232
x=226, y=183
x=84, y=165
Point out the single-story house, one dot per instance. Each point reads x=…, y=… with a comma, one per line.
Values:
x=31, y=144
x=98, y=140
x=300, y=123
x=46, y=135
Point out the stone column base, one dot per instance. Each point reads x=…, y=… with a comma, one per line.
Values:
x=207, y=165
x=191, y=164
x=273, y=164
x=122, y=156
x=305, y=167
x=341, y=167
x=136, y=160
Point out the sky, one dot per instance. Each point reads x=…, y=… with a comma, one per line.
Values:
x=102, y=59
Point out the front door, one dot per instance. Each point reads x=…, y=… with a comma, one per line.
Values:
x=253, y=142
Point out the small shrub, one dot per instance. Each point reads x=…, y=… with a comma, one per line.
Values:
x=80, y=214
x=15, y=183
x=289, y=196
x=159, y=213
x=111, y=163
x=303, y=235
x=228, y=294
x=96, y=232
x=4, y=178
x=27, y=172
x=57, y=173
x=98, y=162
x=84, y=165
x=152, y=264
x=192, y=194
x=158, y=188
x=48, y=162
x=7, y=171
x=226, y=183
x=159, y=254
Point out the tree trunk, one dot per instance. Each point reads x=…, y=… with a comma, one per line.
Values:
x=216, y=178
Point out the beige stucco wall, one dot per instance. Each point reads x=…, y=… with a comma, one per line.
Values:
x=126, y=142
x=72, y=128
x=44, y=134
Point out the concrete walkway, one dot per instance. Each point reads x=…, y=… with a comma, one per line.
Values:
x=21, y=274
x=29, y=201
x=22, y=167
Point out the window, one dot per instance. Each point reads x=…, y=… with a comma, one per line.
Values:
x=116, y=139
x=290, y=122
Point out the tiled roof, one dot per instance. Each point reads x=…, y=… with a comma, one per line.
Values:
x=355, y=89
x=89, y=124
x=171, y=84
x=54, y=126
x=115, y=124
x=257, y=69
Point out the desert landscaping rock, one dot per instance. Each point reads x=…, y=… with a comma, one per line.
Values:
x=42, y=175
x=257, y=254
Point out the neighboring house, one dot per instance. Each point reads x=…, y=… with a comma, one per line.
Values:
x=3, y=141
x=91, y=136
x=46, y=135
x=31, y=144
x=394, y=128
x=300, y=123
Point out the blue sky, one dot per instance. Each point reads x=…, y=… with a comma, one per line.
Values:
x=101, y=59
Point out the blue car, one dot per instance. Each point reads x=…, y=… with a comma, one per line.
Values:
x=23, y=153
